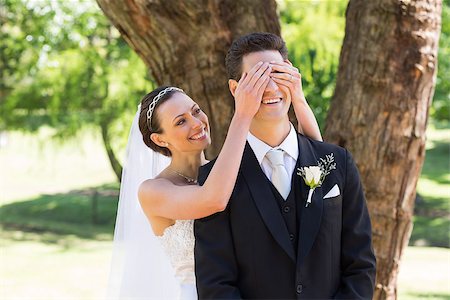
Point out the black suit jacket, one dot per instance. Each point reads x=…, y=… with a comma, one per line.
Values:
x=245, y=251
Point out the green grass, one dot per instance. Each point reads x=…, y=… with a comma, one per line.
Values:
x=88, y=213
x=70, y=267
x=52, y=244
x=67, y=268
x=31, y=165
x=432, y=209
x=424, y=274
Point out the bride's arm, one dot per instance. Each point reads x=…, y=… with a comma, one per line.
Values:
x=159, y=197
x=289, y=78
x=307, y=123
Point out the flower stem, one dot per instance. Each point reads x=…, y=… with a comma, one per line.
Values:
x=310, y=193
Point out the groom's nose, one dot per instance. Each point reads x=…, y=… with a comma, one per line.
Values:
x=272, y=87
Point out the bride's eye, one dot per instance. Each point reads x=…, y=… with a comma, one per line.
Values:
x=180, y=122
x=197, y=110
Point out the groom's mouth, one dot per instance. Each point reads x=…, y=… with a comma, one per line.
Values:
x=272, y=101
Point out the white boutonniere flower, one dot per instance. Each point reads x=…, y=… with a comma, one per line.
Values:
x=315, y=175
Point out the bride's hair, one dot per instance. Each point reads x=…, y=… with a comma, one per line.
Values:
x=155, y=123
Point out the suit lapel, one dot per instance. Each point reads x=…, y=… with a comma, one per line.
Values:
x=310, y=216
x=265, y=200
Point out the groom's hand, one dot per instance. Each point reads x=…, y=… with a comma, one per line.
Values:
x=250, y=89
x=289, y=78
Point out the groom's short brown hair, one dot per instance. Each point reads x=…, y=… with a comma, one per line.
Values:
x=253, y=42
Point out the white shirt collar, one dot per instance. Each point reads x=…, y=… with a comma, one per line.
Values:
x=289, y=145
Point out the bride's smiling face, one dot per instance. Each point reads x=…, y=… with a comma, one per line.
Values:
x=185, y=126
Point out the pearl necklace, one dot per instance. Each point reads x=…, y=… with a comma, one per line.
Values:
x=188, y=179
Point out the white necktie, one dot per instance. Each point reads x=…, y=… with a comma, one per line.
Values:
x=280, y=178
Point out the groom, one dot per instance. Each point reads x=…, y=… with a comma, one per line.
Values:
x=269, y=243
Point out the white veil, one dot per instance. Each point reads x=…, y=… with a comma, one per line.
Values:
x=139, y=267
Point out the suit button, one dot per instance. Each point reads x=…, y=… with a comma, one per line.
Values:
x=299, y=289
x=287, y=209
x=291, y=237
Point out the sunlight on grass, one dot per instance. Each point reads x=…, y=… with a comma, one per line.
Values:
x=37, y=270
x=432, y=208
x=424, y=274
x=68, y=213
x=433, y=189
x=437, y=132
x=35, y=164
x=67, y=267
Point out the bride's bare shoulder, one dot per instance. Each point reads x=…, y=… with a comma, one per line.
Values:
x=155, y=184
x=152, y=194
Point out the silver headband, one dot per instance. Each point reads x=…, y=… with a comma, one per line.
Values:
x=155, y=100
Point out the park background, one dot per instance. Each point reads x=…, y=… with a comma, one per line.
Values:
x=70, y=86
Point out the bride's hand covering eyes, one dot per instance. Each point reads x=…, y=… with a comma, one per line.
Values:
x=250, y=89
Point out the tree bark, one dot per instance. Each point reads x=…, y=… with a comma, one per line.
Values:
x=115, y=164
x=379, y=111
x=184, y=43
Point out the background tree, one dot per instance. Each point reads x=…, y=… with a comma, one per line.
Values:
x=66, y=67
x=185, y=43
x=380, y=105
x=314, y=46
x=379, y=111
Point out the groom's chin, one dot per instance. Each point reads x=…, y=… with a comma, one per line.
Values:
x=265, y=115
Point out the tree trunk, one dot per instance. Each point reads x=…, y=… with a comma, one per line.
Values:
x=379, y=111
x=115, y=164
x=184, y=43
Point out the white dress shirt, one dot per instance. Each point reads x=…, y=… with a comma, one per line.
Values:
x=289, y=146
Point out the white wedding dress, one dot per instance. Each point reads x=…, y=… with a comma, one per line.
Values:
x=144, y=266
x=178, y=242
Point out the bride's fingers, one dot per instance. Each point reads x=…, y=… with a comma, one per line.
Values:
x=265, y=76
x=243, y=82
x=253, y=71
x=285, y=63
x=262, y=88
x=286, y=79
x=279, y=69
x=283, y=85
x=285, y=68
x=257, y=75
x=283, y=82
x=284, y=76
x=242, y=79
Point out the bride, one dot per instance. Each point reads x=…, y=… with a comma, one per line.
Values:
x=157, y=261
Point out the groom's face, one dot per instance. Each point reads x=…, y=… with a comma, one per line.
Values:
x=272, y=112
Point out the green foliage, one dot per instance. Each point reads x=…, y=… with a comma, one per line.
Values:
x=22, y=41
x=440, y=109
x=65, y=66
x=313, y=31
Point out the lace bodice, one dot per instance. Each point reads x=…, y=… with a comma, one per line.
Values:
x=178, y=243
